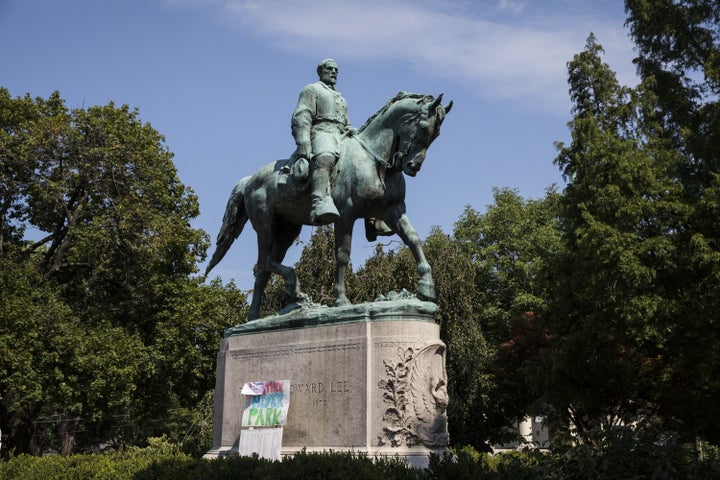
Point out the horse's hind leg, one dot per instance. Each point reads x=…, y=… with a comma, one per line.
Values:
x=283, y=238
x=262, y=272
x=272, y=248
x=262, y=277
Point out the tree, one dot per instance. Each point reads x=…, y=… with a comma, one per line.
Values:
x=388, y=270
x=18, y=120
x=469, y=384
x=316, y=267
x=511, y=245
x=104, y=328
x=315, y=272
x=678, y=44
x=614, y=297
x=500, y=259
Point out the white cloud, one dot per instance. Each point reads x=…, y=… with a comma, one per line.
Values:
x=511, y=5
x=521, y=56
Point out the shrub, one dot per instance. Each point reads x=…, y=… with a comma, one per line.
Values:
x=620, y=456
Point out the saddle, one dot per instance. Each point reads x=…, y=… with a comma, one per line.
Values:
x=295, y=173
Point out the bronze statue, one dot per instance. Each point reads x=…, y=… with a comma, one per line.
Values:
x=318, y=123
x=366, y=181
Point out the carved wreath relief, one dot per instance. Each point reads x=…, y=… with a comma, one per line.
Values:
x=415, y=391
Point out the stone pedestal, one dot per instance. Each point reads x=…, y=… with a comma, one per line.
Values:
x=368, y=378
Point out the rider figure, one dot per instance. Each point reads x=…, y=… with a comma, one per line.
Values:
x=318, y=123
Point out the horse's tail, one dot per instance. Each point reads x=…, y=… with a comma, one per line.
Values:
x=233, y=222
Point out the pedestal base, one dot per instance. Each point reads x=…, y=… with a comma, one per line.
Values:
x=367, y=378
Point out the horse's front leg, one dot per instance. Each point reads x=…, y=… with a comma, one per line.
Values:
x=343, y=245
x=398, y=221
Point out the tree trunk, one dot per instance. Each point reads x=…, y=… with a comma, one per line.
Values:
x=67, y=430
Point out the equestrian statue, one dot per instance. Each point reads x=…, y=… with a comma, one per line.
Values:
x=337, y=175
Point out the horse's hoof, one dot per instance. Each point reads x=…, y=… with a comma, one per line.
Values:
x=342, y=301
x=426, y=288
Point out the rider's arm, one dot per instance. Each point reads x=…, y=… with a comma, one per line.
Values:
x=302, y=119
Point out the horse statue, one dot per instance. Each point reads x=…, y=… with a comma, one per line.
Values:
x=367, y=182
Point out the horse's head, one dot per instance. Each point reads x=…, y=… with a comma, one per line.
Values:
x=418, y=130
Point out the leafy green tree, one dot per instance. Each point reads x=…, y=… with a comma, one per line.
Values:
x=498, y=274
x=315, y=271
x=18, y=120
x=104, y=329
x=511, y=245
x=58, y=370
x=468, y=353
x=316, y=267
x=387, y=270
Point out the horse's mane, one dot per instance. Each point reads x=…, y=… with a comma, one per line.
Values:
x=391, y=102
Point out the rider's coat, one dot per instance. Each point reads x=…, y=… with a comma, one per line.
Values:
x=320, y=118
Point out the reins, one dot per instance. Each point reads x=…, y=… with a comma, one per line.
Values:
x=396, y=163
x=377, y=157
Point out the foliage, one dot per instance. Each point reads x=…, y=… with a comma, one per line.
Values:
x=621, y=456
x=491, y=268
x=104, y=330
x=385, y=271
x=315, y=272
x=467, y=350
x=316, y=267
x=492, y=273
x=510, y=245
x=627, y=279
x=678, y=48
x=614, y=281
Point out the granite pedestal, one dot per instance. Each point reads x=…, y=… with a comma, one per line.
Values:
x=367, y=378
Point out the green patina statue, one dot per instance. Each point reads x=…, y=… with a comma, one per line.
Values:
x=353, y=175
x=318, y=124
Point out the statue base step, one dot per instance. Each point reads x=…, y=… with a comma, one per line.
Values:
x=366, y=378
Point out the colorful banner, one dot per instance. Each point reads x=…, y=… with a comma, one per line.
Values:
x=266, y=403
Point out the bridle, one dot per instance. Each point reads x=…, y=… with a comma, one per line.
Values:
x=404, y=147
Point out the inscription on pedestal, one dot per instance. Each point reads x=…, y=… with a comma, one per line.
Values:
x=319, y=394
x=340, y=386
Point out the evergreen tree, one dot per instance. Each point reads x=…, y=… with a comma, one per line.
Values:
x=678, y=44
x=614, y=301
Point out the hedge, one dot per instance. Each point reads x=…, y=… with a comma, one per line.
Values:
x=162, y=461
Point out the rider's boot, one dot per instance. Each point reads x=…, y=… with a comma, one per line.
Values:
x=323, y=210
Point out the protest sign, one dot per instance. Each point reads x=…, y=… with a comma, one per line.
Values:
x=266, y=403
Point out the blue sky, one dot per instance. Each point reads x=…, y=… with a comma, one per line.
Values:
x=220, y=79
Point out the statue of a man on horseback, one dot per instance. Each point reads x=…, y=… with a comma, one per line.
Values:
x=353, y=174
